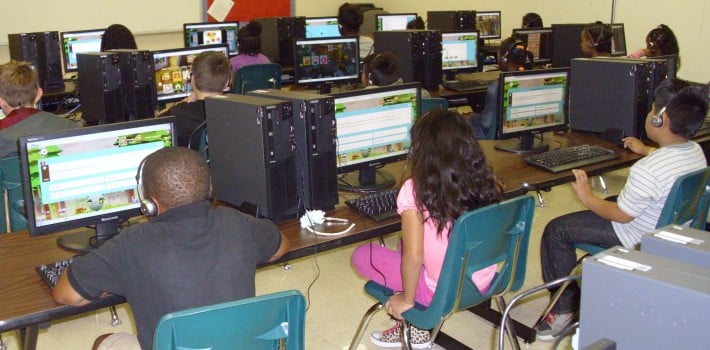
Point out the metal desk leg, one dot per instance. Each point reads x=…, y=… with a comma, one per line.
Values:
x=28, y=337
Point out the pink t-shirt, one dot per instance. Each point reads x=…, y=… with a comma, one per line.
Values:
x=435, y=245
x=240, y=61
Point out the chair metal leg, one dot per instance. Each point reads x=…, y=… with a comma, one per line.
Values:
x=115, y=321
x=406, y=332
x=363, y=324
x=540, y=200
x=602, y=184
x=509, y=328
x=553, y=300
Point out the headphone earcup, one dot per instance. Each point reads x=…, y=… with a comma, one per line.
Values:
x=657, y=121
x=148, y=207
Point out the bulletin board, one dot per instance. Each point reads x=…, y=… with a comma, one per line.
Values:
x=245, y=10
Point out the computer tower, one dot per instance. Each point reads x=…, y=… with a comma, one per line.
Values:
x=315, y=135
x=138, y=83
x=566, y=43
x=42, y=51
x=451, y=20
x=683, y=244
x=251, y=153
x=277, y=34
x=419, y=53
x=643, y=301
x=100, y=88
x=612, y=93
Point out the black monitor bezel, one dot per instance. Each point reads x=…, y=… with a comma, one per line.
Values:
x=32, y=227
x=539, y=30
x=618, y=53
x=379, y=15
x=500, y=135
x=320, y=18
x=455, y=70
x=500, y=24
x=186, y=25
x=330, y=80
x=198, y=49
x=62, y=46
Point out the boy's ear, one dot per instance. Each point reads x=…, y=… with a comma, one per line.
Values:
x=39, y=95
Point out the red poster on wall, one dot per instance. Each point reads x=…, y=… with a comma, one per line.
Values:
x=246, y=10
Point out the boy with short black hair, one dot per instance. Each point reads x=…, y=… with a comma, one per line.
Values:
x=677, y=113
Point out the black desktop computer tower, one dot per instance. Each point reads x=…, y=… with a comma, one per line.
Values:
x=42, y=51
x=251, y=154
x=419, y=53
x=100, y=88
x=315, y=157
x=611, y=93
x=138, y=83
x=277, y=34
x=451, y=20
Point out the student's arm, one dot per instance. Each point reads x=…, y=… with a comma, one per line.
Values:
x=606, y=209
x=412, y=259
x=64, y=293
x=284, y=246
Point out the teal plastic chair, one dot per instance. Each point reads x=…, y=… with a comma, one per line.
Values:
x=257, y=76
x=430, y=103
x=12, y=203
x=495, y=234
x=272, y=321
x=198, y=140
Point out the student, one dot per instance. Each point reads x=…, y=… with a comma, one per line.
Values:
x=660, y=41
x=382, y=69
x=249, y=45
x=512, y=56
x=428, y=213
x=677, y=112
x=189, y=254
x=118, y=36
x=349, y=21
x=532, y=20
x=596, y=40
x=210, y=75
x=417, y=23
x=19, y=95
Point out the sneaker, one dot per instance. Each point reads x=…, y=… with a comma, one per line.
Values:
x=553, y=325
x=421, y=339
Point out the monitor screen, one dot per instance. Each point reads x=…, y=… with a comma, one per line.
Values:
x=372, y=130
x=488, y=24
x=538, y=42
x=199, y=34
x=87, y=176
x=394, y=21
x=618, y=40
x=79, y=41
x=531, y=102
x=459, y=52
x=173, y=68
x=323, y=60
x=322, y=27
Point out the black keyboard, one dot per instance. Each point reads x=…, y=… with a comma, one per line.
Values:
x=50, y=272
x=378, y=205
x=465, y=85
x=571, y=157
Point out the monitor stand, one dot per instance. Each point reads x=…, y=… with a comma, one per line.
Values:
x=366, y=180
x=525, y=145
x=88, y=240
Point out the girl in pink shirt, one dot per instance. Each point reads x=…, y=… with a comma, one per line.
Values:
x=449, y=176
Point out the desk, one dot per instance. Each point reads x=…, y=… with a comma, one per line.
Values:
x=475, y=97
x=27, y=302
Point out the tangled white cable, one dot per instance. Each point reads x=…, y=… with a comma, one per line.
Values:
x=317, y=217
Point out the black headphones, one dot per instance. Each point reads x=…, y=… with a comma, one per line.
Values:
x=148, y=206
x=600, y=38
x=517, y=50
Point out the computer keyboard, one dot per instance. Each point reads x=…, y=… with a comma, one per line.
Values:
x=378, y=205
x=50, y=272
x=465, y=85
x=571, y=157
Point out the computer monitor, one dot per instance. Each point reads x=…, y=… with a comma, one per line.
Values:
x=459, y=53
x=488, y=24
x=322, y=61
x=618, y=40
x=531, y=102
x=199, y=34
x=87, y=177
x=173, y=68
x=393, y=21
x=322, y=27
x=79, y=41
x=538, y=41
x=372, y=130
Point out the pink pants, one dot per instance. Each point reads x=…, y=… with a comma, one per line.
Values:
x=382, y=265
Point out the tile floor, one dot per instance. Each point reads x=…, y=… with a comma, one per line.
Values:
x=337, y=300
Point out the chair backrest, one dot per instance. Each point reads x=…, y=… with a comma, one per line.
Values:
x=261, y=322
x=688, y=200
x=198, y=140
x=257, y=76
x=495, y=234
x=11, y=181
x=430, y=103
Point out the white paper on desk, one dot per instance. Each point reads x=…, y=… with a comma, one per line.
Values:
x=220, y=9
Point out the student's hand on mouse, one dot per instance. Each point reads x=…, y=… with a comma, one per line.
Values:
x=635, y=145
x=581, y=185
x=396, y=306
